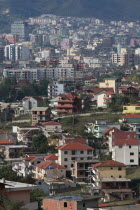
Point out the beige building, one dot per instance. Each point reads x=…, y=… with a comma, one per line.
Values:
x=74, y=151
x=49, y=170
x=110, y=83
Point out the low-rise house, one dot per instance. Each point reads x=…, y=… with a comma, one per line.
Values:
x=73, y=202
x=51, y=157
x=134, y=108
x=74, y=151
x=55, y=88
x=112, y=176
x=128, y=91
x=29, y=102
x=67, y=138
x=51, y=127
x=26, y=133
x=49, y=170
x=131, y=118
x=99, y=126
x=17, y=191
x=40, y=115
x=126, y=151
x=14, y=151
x=26, y=166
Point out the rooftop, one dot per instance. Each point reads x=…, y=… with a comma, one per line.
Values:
x=109, y=163
x=38, y=109
x=75, y=146
x=47, y=163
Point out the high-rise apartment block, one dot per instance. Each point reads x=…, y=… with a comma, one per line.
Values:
x=20, y=28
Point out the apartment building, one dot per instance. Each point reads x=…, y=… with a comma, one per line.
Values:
x=28, y=102
x=104, y=98
x=54, y=89
x=133, y=108
x=71, y=152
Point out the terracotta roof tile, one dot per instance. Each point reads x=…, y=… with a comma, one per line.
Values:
x=51, y=123
x=129, y=141
x=47, y=163
x=6, y=141
x=110, y=129
x=75, y=146
x=51, y=157
x=29, y=158
x=131, y=116
x=109, y=163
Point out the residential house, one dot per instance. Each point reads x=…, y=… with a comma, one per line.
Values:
x=107, y=133
x=110, y=83
x=26, y=133
x=119, y=135
x=26, y=166
x=17, y=191
x=104, y=98
x=51, y=157
x=74, y=151
x=51, y=127
x=99, y=126
x=69, y=103
x=49, y=170
x=128, y=91
x=14, y=151
x=112, y=176
x=29, y=102
x=73, y=202
x=67, y=138
x=131, y=118
x=126, y=151
x=134, y=108
x=40, y=115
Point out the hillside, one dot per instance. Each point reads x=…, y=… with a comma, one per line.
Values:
x=103, y=9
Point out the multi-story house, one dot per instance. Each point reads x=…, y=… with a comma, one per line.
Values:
x=104, y=98
x=126, y=151
x=30, y=102
x=128, y=91
x=110, y=83
x=49, y=170
x=69, y=103
x=40, y=115
x=14, y=151
x=74, y=151
x=51, y=127
x=111, y=175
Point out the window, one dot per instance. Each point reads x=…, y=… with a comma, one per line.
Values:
x=120, y=176
x=119, y=169
x=65, y=204
x=65, y=152
x=81, y=165
x=73, y=152
x=84, y=205
x=131, y=160
x=129, y=147
x=65, y=166
x=131, y=153
x=65, y=159
x=81, y=172
x=81, y=158
x=137, y=108
x=72, y=165
x=89, y=158
x=111, y=168
x=39, y=183
x=73, y=158
x=120, y=147
x=81, y=152
x=124, y=108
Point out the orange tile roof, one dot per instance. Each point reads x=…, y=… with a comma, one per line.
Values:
x=6, y=141
x=51, y=157
x=75, y=146
x=76, y=139
x=51, y=123
x=129, y=141
x=131, y=116
x=47, y=163
x=109, y=163
x=110, y=129
x=29, y=158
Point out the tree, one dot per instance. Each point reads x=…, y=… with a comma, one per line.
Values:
x=12, y=205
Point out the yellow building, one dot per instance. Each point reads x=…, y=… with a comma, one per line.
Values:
x=134, y=108
x=110, y=83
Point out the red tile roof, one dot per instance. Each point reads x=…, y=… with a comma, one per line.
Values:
x=47, y=163
x=109, y=163
x=123, y=134
x=6, y=141
x=129, y=141
x=131, y=116
x=51, y=123
x=29, y=158
x=110, y=129
x=75, y=146
x=51, y=157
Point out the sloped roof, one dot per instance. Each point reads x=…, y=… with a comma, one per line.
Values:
x=75, y=146
x=51, y=123
x=6, y=141
x=109, y=163
x=51, y=157
x=123, y=134
x=110, y=129
x=76, y=139
x=129, y=141
x=47, y=163
x=131, y=116
x=29, y=158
